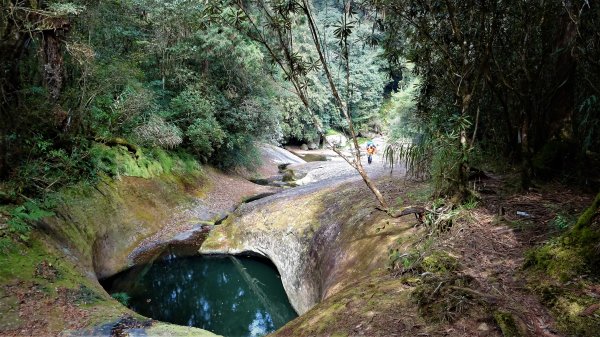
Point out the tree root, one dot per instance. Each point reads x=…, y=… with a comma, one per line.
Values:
x=418, y=211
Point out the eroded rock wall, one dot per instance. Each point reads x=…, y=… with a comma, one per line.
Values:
x=281, y=232
x=320, y=241
x=102, y=225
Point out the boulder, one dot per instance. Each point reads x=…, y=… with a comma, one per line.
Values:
x=304, y=147
x=338, y=140
x=288, y=175
x=313, y=146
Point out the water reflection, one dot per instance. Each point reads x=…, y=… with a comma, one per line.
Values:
x=229, y=296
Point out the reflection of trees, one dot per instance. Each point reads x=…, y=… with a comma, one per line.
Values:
x=261, y=325
x=210, y=293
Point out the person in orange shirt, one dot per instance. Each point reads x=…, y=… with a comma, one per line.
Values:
x=371, y=148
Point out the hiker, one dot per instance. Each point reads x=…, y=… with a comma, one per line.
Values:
x=371, y=148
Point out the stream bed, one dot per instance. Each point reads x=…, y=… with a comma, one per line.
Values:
x=233, y=296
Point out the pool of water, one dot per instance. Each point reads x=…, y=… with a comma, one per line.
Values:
x=233, y=296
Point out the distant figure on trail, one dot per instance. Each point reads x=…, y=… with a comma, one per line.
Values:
x=371, y=148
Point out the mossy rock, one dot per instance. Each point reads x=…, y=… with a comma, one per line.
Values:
x=439, y=262
x=288, y=175
x=509, y=326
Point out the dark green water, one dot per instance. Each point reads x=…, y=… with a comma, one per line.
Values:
x=230, y=296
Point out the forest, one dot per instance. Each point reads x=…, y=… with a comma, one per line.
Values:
x=459, y=90
x=516, y=83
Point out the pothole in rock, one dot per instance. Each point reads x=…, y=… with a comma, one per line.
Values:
x=228, y=295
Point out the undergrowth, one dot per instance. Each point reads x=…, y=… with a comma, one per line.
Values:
x=121, y=297
x=441, y=291
x=25, y=212
x=565, y=272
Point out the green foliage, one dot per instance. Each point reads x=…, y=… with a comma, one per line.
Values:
x=65, y=8
x=438, y=158
x=414, y=156
x=205, y=136
x=123, y=298
x=23, y=217
x=162, y=78
x=470, y=203
x=459, y=54
x=118, y=161
x=562, y=222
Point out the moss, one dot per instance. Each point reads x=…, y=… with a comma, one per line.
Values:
x=443, y=297
x=21, y=262
x=561, y=262
x=507, y=324
x=119, y=161
x=10, y=319
x=340, y=334
x=165, y=330
x=586, y=218
x=166, y=161
x=439, y=262
x=288, y=175
x=568, y=309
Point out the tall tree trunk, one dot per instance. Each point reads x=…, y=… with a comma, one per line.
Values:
x=342, y=106
x=526, y=165
x=53, y=63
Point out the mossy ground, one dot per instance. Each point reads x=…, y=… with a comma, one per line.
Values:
x=48, y=282
x=565, y=273
x=560, y=260
x=45, y=292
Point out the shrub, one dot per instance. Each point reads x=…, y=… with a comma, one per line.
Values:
x=123, y=298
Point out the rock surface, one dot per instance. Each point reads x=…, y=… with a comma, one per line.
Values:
x=338, y=140
x=319, y=236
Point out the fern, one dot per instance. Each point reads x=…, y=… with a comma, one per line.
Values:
x=122, y=297
x=22, y=217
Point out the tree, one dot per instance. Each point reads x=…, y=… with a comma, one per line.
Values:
x=504, y=74
x=281, y=18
